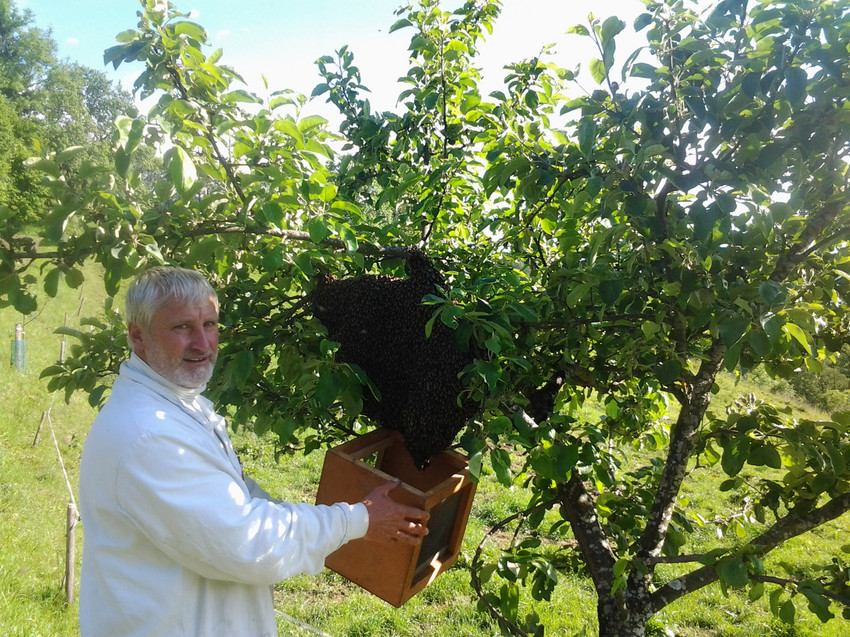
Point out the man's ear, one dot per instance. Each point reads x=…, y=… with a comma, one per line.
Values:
x=137, y=338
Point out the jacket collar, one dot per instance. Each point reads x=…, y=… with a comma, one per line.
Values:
x=189, y=399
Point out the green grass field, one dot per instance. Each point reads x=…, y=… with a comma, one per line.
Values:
x=34, y=498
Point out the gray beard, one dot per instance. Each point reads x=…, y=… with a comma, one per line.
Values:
x=173, y=370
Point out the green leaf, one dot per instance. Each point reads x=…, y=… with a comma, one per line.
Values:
x=350, y=240
x=475, y=461
x=191, y=29
x=327, y=389
x=597, y=70
x=127, y=36
x=241, y=95
x=759, y=343
x=586, y=135
x=320, y=89
x=181, y=169
x=649, y=329
x=770, y=291
x=501, y=462
x=763, y=455
x=668, y=371
x=51, y=282
x=241, y=365
x=319, y=230
x=712, y=556
x=44, y=165
x=642, y=21
x=609, y=291
x=733, y=572
x=578, y=29
x=795, y=85
x=74, y=278
x=735, y=453
x=499, y=425
x=311, y=122
x=818, y=604
x=732, y=329
x=642, y=69
x=611, y=27
x=69, y=153
x=401, y=24
x=122, y=162
x=799, y=335
x=787, y=611
x=756, y=591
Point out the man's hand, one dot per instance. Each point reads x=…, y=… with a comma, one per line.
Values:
x=390, y=521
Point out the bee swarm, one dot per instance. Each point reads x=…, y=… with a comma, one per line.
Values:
x=379, y=322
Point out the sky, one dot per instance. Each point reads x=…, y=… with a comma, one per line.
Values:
x=281, y=39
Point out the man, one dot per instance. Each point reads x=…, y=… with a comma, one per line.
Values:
x=177, y=540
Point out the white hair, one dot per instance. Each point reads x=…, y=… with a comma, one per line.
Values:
x=154, y=287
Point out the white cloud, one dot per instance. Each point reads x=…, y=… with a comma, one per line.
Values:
x=72, y=41
x=222, y=35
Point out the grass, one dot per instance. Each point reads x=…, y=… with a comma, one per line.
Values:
x=34, y=498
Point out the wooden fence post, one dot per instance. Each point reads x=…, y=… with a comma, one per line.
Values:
x=70, y=552
x=38, y=431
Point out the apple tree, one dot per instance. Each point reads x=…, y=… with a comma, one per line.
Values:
x=619, y=246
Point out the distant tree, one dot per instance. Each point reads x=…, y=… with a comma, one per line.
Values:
x=26, y=55
x=53, y=106
x=79, y=110
x=827, y=387
x=621, y=245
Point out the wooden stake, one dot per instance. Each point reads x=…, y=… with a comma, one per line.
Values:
x=62, y=345
x=70, y=552
x=38, y=431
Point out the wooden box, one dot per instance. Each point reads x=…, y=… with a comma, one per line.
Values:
x=396, y=572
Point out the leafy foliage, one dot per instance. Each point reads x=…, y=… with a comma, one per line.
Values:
x=622, y=246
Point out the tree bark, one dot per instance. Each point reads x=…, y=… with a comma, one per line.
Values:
x=591, y=538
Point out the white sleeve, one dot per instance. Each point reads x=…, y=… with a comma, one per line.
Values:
x=189, y=501
x=256, y=491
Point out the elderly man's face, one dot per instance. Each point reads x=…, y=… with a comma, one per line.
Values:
x=182, y=342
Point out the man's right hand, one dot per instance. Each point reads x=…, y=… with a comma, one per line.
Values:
x=390, y=521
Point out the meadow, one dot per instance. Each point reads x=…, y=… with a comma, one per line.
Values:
x=34, y=496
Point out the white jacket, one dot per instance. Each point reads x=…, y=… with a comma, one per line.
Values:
x=176, y=541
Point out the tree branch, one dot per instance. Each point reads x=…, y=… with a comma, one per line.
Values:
x=807, y=242
x=476, y=580
x=593, y=543
x=210, y=231
x=784, y=529
x=682, y=439
x=781, y=581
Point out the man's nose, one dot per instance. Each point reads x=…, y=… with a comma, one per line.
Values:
x=201, y=339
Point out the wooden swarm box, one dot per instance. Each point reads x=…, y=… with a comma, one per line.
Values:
x=396, y=572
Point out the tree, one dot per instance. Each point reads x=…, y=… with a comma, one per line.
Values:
x=26, y=54
x=53, y=106
x=621, y=246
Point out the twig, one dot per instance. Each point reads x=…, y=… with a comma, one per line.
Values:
x=473, y=569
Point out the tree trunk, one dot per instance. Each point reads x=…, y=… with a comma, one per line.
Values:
x=614, y=622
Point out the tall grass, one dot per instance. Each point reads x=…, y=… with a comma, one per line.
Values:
x=34, y=498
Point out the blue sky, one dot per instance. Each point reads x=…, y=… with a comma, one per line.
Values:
x=281, y=39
